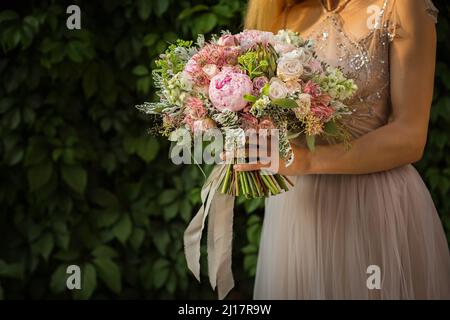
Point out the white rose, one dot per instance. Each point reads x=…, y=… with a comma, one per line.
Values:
x=277, y=89
x=302, y=54
x=289, y=69
x=293, y=86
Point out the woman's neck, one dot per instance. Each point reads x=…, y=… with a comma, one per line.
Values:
x=330, y=5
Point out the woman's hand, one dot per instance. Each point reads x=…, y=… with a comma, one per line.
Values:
x=272, y=162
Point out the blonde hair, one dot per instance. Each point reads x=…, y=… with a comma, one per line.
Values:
x=263, y=14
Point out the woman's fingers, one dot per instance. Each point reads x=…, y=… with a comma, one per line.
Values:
x=247, y=167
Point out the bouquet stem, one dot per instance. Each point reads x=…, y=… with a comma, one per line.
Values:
x=253, y=184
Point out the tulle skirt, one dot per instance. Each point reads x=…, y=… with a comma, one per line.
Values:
x=331, y=235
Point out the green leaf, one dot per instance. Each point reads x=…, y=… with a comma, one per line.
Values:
x=285, y=103
x=311, y=142
x=161, y=6
x=12, y=270
x=331, y=129
x=8, y=15
x=167, y=196
x=205, y=23
x=75, y=177
x=150, y=39
x=39, y=175
x=161, y=239
x=88, y=283
x=265, y=89
x=189, y=11
x=140, y=71
x=35, y=153
x=250, y=98
x=44, y=245
x=90, y=81
x=103, y=251
x=104, y=198
x=144, y=8
x=59, y=279
x=160, y=272
x=122, y=229
x=137, y=238
x=109, y=273
x=147, y=148
x=253, y=233
x=171, y=211
x=14, y=156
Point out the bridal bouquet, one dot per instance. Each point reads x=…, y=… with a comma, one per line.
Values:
x=250, y=81
x=256, y=82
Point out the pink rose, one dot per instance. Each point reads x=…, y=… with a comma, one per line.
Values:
x=259, y=83
x=248, y=121
x=228, y=40
x=231, y=55
x=227, y=90
x=266, y=124
x=315, y=66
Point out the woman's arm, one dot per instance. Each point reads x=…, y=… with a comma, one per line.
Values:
x=402, y=140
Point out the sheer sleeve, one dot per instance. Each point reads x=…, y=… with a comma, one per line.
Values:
x=396, y=20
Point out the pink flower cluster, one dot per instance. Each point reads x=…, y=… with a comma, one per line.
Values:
x=320, y=103
x=248, y=121
x=195, y=110
x=249, y=38
x=210, y=60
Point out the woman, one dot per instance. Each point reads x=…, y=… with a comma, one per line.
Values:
x=360, y=223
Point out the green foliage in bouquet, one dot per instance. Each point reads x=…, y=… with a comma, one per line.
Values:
x=259, y=60
x=81, y=184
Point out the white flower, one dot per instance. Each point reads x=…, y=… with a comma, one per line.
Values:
x=277, y=89
x=289, y=37
x=293, y=86
x=304, y=106
x=289, y=69
x=210, y=70
x=304, y=55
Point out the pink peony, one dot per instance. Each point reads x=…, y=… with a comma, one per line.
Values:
x=227, y=90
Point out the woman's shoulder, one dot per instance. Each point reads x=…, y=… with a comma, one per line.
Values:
x=413, y=9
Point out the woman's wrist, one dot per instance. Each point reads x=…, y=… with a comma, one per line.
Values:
x=302, y=161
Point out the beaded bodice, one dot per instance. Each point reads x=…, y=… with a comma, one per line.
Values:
x=365, y=59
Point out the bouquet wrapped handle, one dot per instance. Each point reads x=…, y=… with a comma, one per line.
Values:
x=219, y=207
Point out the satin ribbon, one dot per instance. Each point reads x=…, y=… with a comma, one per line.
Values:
x=220, y=233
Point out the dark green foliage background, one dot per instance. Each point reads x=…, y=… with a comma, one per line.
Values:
x=81, y=182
